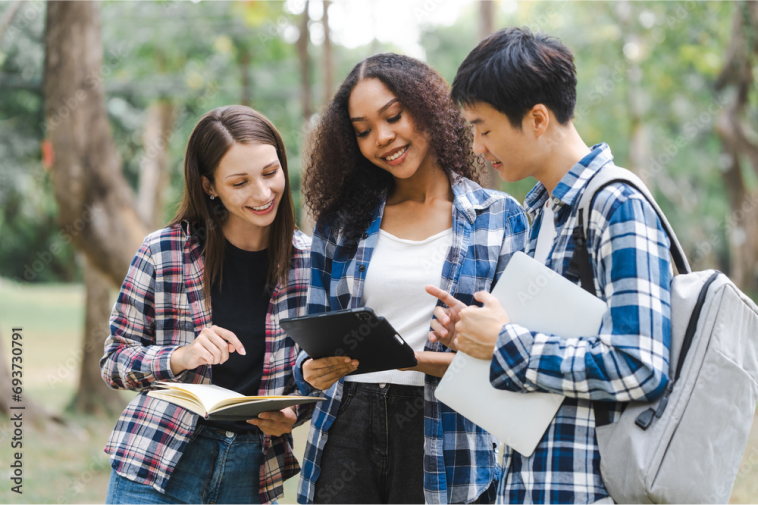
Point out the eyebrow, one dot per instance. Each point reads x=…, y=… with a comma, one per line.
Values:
x=385, y=107
x=476, y=121
x=264, y=168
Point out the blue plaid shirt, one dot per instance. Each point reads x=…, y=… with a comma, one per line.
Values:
x=627, y=361
x=460, y=459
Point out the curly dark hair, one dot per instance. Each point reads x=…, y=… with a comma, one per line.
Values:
x=340, y=186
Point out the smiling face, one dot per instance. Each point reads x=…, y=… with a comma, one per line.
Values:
x=385, y=132
x=250, y=182
x=514, y=152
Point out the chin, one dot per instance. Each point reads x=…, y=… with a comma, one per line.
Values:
x=508, y=176
x=405, y=171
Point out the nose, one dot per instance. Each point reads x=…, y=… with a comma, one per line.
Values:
x=384, y=135
x=479, y=147
x=261, y=192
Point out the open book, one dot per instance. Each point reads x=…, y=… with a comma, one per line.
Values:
x=215, y=403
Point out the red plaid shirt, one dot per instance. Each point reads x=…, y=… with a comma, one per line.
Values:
x=161, y=307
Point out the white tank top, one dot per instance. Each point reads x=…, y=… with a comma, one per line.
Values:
x=394, y=288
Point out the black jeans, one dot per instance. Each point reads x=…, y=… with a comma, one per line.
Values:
x=375, y=449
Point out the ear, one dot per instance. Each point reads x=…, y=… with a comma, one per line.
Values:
x=538, y=120
x=208, y=186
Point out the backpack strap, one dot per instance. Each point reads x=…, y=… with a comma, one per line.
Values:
x=611, y=174
x=581, y=265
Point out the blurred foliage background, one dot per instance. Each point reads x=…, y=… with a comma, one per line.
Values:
x=649, y=65
x=654, y=83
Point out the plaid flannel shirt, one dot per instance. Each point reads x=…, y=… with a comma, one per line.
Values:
x=160, y=307
x=460, y=459
x=628, y=360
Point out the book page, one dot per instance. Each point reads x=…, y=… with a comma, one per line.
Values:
x=207, y=395
x=176, y=398
x=212, y=397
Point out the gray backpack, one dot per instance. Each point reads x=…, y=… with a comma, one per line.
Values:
x=687, y=446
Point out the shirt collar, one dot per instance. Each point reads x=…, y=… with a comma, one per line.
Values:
x=570, y=186
x=469, y=197
x=297, y=242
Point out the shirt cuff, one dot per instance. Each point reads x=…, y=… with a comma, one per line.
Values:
x=161, y=365
x=511, y=358
x=305, y=388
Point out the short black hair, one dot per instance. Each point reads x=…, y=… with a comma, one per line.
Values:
x=513, y=70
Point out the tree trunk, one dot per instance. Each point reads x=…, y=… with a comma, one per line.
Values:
x=305, y=65
x=742, y=225
x=303, y=41
x=328, y=56
x=486, y=18
x=153, y=174
x=490, y=177
x=95, y=205
x=93, y=396
x=244, y=63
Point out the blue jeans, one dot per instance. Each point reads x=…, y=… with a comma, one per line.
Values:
x=215, y=468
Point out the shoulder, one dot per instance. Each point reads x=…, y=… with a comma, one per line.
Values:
x=620, y=208
x=171, y=237
x=495, y=208
x=162, y=248
x=301, y=243
x=484, y=199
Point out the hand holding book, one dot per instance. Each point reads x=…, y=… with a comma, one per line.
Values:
x=276, y=424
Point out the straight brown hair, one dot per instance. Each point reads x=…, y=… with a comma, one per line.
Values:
x=214, y=134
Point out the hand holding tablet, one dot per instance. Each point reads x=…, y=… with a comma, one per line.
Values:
x=347, y=342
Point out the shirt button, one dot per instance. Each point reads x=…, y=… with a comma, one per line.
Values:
x=362, y=268
x=365, y=236
x=230, y=434
x=382, y=385
x=556, y=201
x=271, y=359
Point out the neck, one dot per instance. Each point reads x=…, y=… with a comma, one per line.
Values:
x=246, y=236
x=429, y=182
x=566, y=149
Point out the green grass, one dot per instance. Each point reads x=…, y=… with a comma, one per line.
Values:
x=66, y=464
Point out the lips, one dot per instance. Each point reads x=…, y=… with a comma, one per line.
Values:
x=394, y=152
x=263, y=209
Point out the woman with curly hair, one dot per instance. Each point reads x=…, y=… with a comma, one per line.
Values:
x=390, y=177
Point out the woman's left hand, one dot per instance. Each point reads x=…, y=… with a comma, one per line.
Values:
x=276, y=424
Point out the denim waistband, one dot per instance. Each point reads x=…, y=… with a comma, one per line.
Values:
x=386, y=389
x=203, y=430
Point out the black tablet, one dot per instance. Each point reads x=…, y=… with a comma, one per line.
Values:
x=357, y=333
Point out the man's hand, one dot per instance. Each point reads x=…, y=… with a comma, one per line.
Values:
x=443, y=327
x=323, y=373
x=276, y=424
x=479, y=327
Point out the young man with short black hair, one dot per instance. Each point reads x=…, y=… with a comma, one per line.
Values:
x=518, y=90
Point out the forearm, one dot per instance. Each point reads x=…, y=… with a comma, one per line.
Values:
x=136, y=367
x=584, y=367
x=433, y=363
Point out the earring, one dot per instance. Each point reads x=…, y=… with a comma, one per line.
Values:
x=213, y=197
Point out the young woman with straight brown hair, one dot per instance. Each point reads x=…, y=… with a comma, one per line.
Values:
x=201, y=303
